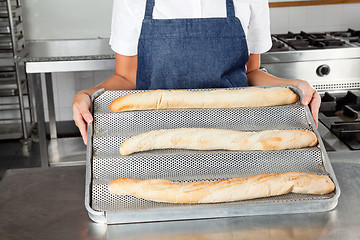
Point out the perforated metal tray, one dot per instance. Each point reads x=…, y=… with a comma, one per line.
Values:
x=104, y=162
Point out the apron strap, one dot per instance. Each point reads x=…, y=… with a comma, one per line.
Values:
x=149, y=9
x=230, y=11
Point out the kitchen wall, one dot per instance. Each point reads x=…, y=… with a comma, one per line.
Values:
x=66, y=85
x=69, y=19
x=315, y=18
x=66, y=19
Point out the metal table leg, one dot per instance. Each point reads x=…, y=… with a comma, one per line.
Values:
x=39, y=106
x=51, y=105
x=21, y=102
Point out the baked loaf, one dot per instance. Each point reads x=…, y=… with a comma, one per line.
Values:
x=215, y=139
x=220, y=98
x=227, y=190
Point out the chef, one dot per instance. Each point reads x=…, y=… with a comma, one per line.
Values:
x=181, y=44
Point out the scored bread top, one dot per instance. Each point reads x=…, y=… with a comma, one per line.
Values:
x=216, y=139
x=226, y=190
x=219, y=98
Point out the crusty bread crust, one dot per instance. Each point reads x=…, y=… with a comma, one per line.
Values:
x=227, y=190
x=216, y=139
x=219, y=98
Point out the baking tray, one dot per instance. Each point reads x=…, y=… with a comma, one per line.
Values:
x=104, y=162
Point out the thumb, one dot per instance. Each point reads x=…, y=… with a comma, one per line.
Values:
x=88, y=117
x=307, y=98
x=84, y=111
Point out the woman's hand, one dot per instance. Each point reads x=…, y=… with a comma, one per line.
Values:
x=257, y=77
x=310, y=97
x=123, y=79
x=81, y=113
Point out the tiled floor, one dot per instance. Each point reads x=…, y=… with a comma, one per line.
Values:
x=13, y=156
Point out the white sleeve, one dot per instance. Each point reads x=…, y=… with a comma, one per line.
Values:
x=126, y=24
x=259, y=37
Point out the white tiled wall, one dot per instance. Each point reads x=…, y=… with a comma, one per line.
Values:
x=312, y=18
x=66, y=85
x=66, y=19
x=315, y=18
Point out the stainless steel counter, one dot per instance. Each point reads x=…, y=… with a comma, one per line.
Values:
x=48, y=203
x=67, y=50
x=68, y=55
x=46, y=57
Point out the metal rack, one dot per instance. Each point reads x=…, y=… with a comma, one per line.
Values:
x=16, y=114
x=104, y=163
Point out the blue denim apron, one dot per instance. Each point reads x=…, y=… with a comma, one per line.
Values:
x=191, y=53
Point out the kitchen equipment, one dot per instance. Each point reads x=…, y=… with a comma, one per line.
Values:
x=339, y=112
x=104, y=163
x=14, y=88
x=16, y=9
x=330, y=62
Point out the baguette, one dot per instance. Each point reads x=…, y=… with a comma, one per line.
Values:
x=220, y=98
x=227, y=190
x=215, y=139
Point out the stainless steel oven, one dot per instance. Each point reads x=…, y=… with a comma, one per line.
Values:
x=330, y=62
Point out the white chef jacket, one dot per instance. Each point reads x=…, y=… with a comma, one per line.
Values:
x=127, y=18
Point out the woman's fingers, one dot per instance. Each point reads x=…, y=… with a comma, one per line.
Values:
x=80, y=123
x=310, y=98
x=314, y=107
x=308, y=93
x=81, y=113
x=85, y=112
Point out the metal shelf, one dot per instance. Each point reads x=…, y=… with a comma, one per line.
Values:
x=7, y=69
x=6, y=44
x=9, y=89
x=10, y=84
x=13, y=82
x=10, y=119
x=7, y=61
x=10, y=107
x=7, y=76
x=13, y=130
x=12, y=93
x=6, y=54
x=6, y=28
x=3, y=3
x=16, y=12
